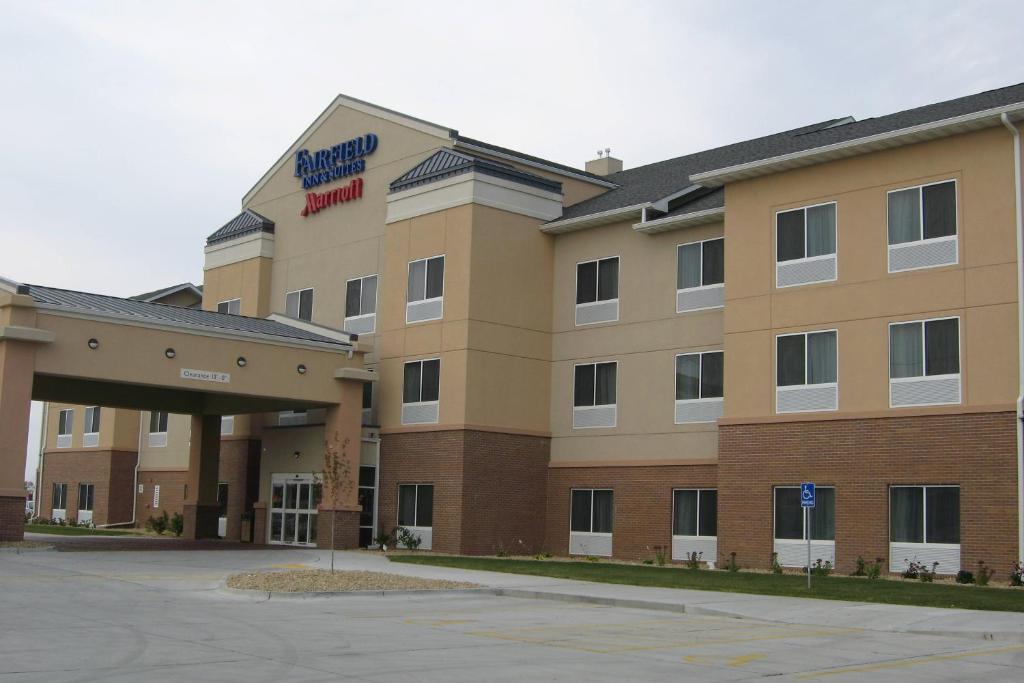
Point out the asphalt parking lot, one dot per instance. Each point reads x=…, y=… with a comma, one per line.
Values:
x=164, y=616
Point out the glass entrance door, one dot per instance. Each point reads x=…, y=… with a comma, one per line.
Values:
x=293, y=502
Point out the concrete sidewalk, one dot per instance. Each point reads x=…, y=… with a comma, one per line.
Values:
x=986, y=625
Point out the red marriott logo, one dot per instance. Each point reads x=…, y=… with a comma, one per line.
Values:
x=322, y=200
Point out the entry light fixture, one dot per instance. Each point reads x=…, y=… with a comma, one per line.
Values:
x=301, y=369
x=94, y=343
x=241, y=361
x=170, y=353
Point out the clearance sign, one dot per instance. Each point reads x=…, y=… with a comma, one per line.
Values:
x=333, y=163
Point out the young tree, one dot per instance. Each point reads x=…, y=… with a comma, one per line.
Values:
x=336, y=478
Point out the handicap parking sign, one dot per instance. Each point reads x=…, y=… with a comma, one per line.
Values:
x=807, y=495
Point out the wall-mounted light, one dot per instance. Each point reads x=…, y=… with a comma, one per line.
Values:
x=170, y=353
x=301, y=369
x=94, y=343
x=241, y=361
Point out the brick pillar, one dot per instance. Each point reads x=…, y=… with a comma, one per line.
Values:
x=200, y=508
x=17, y=359
x=259, y=523
x=342, y=443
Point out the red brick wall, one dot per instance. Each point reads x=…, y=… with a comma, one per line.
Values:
x=641, y=500
x=239, y=468
x=862, y=458
x=172, y=494
x=12, y=518
x=110, y=472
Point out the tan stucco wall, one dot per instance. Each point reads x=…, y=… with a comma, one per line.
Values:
x=644, y=342
x=981, y=288
x=118, y=428
x=280, y=445
x=173, y=456
x=247, y=280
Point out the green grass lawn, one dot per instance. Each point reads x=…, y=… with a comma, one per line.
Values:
x=75, y=531
x=792, y=585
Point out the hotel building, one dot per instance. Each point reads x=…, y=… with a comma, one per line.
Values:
x=592, y=362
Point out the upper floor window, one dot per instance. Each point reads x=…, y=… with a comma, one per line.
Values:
x=91, y=437
x=700, y=275
x=157, y=429
x=361, y=305
x=597, y=291
x=924, y=362
x=65, y=423
x=806, y=372
x=425, y=291
x=922, y=226
x=231, y=306
x=805, y=245
x=699, y=387
x=299, y=304
x=594, y=395
x=421, y=391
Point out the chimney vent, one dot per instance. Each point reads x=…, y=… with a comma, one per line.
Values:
x=605, y=163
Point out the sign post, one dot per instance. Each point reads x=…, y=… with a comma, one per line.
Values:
x=807, y=503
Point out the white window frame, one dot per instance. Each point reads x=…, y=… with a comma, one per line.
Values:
x=91, y=438
x=692, y=401
x=806, y=259
x=955, y=237
x=596, y=302
x=232, y=303
x=371, y=317
x=425, y=533
x=698, y=535
x=806, y=384
x=417, y=404
x=582, y=409
x=924, y=353
x=298, y=305
x=64, y=438
x=416, y=302
x=602, y=537
x=925, y=548
x=823, y=549
x=227, y=425
x=158, y=439
x=64, y=501
x=701, y=287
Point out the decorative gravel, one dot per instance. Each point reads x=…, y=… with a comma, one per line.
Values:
x=324, y=581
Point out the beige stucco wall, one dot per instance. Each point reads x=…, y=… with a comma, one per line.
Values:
x=118, y=428
x=644, y=342
x=173, y=456
x=247, y=280
x=279, y=448
x=981, y=288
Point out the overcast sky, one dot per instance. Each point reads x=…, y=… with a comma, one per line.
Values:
x=130, y=130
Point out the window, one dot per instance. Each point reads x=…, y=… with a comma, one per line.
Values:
x=157, y=422
x=416, y=505
x=591, y=511
x=700, y=275
x=222, y=499
x=695, y=512
x=232, y=307
x=227, y=425
x=924, y=362
x=92, y=427
x=425, y=290
x=299, y=304
x=65, y=423
x=367, y=395
x=699, y=375
x=85, y=497
x=361, y=305
x=597, y=280
x=806, y=358
x=60, y=496
x=420, y=391
x=805, y=245
x=790, y=522
x=924, y=514
x=595, y=385
x=922, y=226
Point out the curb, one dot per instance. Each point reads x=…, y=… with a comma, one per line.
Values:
x=19, y=551
x=295, y=595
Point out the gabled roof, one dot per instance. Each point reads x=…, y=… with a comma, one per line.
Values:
x=447, y=163
x=486, y=147
x=158, y=294
x=103, y=306
x=244, y=223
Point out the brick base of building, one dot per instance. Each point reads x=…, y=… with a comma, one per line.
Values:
x=641, y=503
x=240, y=470
x=171, y=499
x=489, y=488
x=345, y=525
x=862, y=459
x=200, y=520
x=112, y=474
x=12, y=518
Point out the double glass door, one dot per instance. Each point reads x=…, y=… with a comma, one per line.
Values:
x=293, y=502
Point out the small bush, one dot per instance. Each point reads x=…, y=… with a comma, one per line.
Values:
x=821, y=568
x=385, y=539
x=158, y=524
x=732, y=566
x=874, y=570
x=693, y=560
x=591, y=558
x=177, y=524
x=1017, y=574
x=408, y=539
x=861, y=569
x=661, y=554
x=776, y=567
x=926, y=575
x=964, y=576
x=912, y=569
x=650, y=562
x=984, y=573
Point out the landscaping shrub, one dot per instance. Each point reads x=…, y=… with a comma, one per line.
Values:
x=964, y=576
x=874, y=570
x=177, y=524
x=693, y=560
x=385, y=539
x=1017, y=574
x=821, y=568
x=776, y=567
x=861, y=569
x=408, y=539
x=984, y=573
x=660, y=554
x=158, y=524
x=732, y=566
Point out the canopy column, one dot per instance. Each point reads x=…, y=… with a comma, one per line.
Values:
x=339, y=508
x=200, y=508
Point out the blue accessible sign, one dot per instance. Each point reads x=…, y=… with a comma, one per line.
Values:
x=807, y=495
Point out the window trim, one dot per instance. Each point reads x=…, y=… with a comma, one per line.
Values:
x=924, y=349
x=64, y=440
x=599, y=534
x=312, y=296
x=422, y=403
x=376, y=301
x=692, y=401
x=596, y=302
x=955, y=237
x=775, y=360
x=415, y=507
x=924, y=514
x=239, y=300
x=672, y=521
x=408, y=302
x=803, y=518
x=87, y=435
x=701, y=287
x=615, y=406
x=64, y=495
x=806, y=259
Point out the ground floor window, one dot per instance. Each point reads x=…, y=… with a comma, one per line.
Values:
x=293, y=509
x=85, y=500
x=367, y=487
x=59, y=496
x=793, y=527
x=222, y=509
x=590, y=522
x=416, y=511
x=695, y=512
x=924, y=527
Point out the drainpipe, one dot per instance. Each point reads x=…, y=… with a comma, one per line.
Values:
x=135, y=486
x=37, y=499
x=1020, y=331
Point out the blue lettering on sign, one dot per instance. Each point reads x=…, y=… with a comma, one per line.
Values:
x=344, y=159
x=807, y=495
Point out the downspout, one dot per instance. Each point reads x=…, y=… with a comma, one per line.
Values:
x=135, y=486
x=1020, y=331
x=42, y=454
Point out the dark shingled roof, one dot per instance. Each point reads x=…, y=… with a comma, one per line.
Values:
x=526, y=157
x=446, y=163
x=164, y=291
x=175, y=315
x=658, y=180
x=243, y=224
